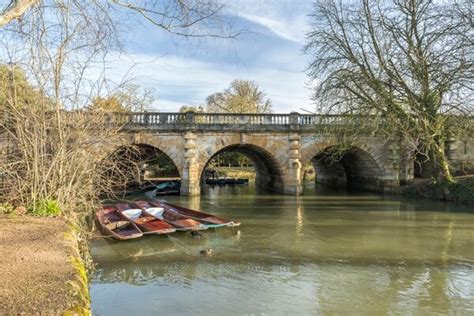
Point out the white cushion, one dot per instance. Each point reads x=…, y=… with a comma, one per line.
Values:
x=133, y=213
x=156, y=211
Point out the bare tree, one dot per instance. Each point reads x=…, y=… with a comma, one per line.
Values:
x=52, y=149
x=188, y=18
x=243, y=96
x=406, y=64
x=54, y=143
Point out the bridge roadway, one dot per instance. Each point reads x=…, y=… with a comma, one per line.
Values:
x=279, y=145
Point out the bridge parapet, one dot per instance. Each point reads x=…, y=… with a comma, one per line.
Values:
x=231, y=121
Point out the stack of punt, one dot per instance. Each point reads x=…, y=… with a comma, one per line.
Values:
x=209, y=220
x=113, y=224
x=147, y=223
x=169, y=215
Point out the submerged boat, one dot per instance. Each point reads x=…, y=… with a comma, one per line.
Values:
x=207, y=219
x=147, y=224
x=171, y=216
x=113, y=224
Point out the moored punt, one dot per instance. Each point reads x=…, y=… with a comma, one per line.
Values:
x=148, y=224
x=168, y=188
x=171, y=216
x=211, y=181
x=208, y=219
x=221, y=181
x=113, y=224
x=231, y=181
x=226, y=181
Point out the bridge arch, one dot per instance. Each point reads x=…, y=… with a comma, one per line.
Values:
x=269, y=173
x=126, y=164
x=354, y=167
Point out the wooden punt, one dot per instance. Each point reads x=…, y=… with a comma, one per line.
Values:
x=147, y=224
x=208, y=219
x=167, y=214
x=168, y=188
x=113, y=224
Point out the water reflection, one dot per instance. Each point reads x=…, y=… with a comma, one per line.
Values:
x=341, y=253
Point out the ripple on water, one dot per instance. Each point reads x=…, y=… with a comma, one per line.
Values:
x=318, y=254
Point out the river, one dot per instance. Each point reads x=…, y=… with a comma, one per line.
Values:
x=324, y=253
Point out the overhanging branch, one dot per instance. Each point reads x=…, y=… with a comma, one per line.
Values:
x=15, y=10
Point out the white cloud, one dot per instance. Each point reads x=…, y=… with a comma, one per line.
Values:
x=285, y=18
x=179, y=81
x=274, y=26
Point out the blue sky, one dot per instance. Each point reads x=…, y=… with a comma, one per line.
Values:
x=186, y=72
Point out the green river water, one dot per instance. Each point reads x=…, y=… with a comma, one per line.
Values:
x=325, y=253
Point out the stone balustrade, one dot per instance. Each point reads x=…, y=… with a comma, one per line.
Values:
x=234, y=121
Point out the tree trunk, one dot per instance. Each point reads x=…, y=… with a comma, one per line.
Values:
x=442, y=163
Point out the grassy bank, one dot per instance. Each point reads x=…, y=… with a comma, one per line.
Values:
x=80, y=260
x=461, y=191
x=236, y=172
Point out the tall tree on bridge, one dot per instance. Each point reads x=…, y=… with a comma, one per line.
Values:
x=406, y=63
x=127, y=98
x=243, y=96
x=14, y=87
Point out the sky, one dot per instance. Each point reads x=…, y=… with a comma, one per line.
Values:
x=184, y=72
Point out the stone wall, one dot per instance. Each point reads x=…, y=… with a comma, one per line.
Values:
x=278, y=157
x=461, y=155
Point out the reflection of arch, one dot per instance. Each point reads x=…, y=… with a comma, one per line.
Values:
x=353, y=167
x=267, y=167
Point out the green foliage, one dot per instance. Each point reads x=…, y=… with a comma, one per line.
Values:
x=231, y=159
x=110, y=104
x=461, y=191
x=6, y=209
x=45, y=207
x=242, y=96
x=79, y=286
x=456, y=191
x=191, y=108
x=236, y=172
x=162, y=163
x=16, y=91
x=129, y=98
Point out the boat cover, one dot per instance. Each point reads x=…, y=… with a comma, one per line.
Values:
x=133, y=213
x=156, y=212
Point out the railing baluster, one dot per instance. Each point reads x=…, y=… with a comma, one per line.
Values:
x=253, y=119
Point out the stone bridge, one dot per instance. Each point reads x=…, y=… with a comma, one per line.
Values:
x=277, y=144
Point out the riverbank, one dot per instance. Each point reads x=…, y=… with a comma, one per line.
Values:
x=462, y=191
x=39, y=271
x=236, y=172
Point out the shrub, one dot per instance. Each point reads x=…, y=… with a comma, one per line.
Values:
x=45, y=207
x=6, y=209
x=461, y=191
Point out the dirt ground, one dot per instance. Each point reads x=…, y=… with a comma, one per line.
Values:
x=34, y=267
